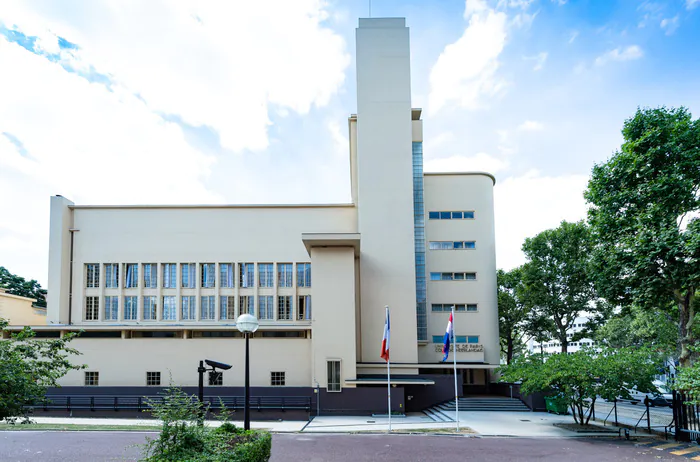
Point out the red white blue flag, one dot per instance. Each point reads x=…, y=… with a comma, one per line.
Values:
x=448, y=337
x=385, y=339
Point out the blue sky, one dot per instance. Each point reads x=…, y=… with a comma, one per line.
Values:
x=247, y=102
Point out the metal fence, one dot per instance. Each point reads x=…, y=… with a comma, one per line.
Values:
x=687, y=417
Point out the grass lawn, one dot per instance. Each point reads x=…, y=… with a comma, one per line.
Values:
x=76, y=427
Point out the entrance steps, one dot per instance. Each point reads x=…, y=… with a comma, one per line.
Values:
x=474, y=404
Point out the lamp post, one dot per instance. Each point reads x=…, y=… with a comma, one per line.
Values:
x=247, y=324
x=201, y=370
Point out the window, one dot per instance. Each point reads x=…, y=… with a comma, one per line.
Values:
x=451, y=215
x=131, y=308
x=189, y=275
x=131, y=279
x=438, y=338
x=111, y=308
x=266, y=306
x=333, y=376
x=460, y=339
x=92, y=378
x=436, y=307
x=473, y=339
x=303, y=274
x=277, y=379
x=453, y=276
x=170, y=275
x=216, y=378
x=472, y=307
x=284, y=274
x=112, y=275
x=92, y=308
x=153, y=379
x=247, y=304
x=208, y=305
x=189, y=305
x=150, y=275
x=208, y=275
x=149, y=308
x=246, y=272
x=284, y=308
x=304, y=308
x=434, y=215
x=227, y=308
x=225, y=275
x=169, y=308
x=452, y=245
x=265, y=275
x=93, y=275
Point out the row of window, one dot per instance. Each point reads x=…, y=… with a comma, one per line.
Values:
x=447, y=307
x=557, y=344
x=188, y=275
x=458, y=338
x=453, y=276
x=216, y=378
x=451, y=215
x=452, y=245
x=187, y=309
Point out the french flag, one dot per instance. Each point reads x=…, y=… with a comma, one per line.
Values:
x=448, y=337
x=385, y=339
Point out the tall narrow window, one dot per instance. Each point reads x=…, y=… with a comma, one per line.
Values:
x=265, y=275
x=227, y=308
x=111, y=275
x=92, y=308
x=304, y=308
x=208, y=275
x=189, y=275
x=169, y=308
x=189, y=307
x=247, y=304
x=111, y=308
x=150, y=275
x=131, y=307
x=303, y=274
x=93, y=275
x=149, y=308
x=131, y=278
x=246, y=271
x=170, y=275
x=208, y=304
x=333, y=375
x=225, y=275
x=266, y=306
x=284, y=275
x=284, y=308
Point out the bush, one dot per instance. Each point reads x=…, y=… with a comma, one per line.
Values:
x=183, y=438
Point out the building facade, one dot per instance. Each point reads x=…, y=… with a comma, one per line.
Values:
x=20, y=311
x=553, y=346
x=158, y=288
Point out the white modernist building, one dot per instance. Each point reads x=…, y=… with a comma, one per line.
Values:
x=158, y=288
x=553, y=346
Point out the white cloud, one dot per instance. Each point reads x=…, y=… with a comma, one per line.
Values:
x=480, y=162
x=560, y=2
x=670, y=24
x=620, y=54
x=539, y=59
x=573, y=36
x=529, y=204
x=466, y=70
x=531, y=126
x=690, y=4
x=219, y=64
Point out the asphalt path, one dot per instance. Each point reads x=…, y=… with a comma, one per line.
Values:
x=97, y=446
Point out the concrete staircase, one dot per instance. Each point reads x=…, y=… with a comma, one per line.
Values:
x=441, y=412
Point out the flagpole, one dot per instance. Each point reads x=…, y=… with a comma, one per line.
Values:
x=454, y=362
x=388, y=372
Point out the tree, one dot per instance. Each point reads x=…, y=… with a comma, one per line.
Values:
x=17, y=285
x=512, y=313
x=657, y=328
x=580, y=378
x=29, y=367
x=556, y=284
x=644, y=205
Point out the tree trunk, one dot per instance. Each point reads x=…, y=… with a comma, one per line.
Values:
x=509, y=350
x=564, y=344
x=686, y=318
x=590, y=411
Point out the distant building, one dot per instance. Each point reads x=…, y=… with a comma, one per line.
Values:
x=554, y=345
x=19, y=311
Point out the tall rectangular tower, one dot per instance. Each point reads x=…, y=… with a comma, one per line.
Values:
x=385, y=187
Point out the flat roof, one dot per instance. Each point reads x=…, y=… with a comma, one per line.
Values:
x=331, y=240
x=493, y=178
x=211, y=206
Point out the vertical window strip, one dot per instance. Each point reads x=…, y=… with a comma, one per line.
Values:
x=208, y=275
x=303, y=274
x=169, y=308
x=149, y=308
x=188, y=307
x=246, y=273
x=265, y=275
x=284, y=308
x=333, y=376
x=150, y=275
x=111, y=275
x=92, y=308
x=93, y=275
x=131, y=279
x=208, y=307
x=111, y=308
x=225, y=275
x=284, y=274
x=130, y=308
x=169, y=276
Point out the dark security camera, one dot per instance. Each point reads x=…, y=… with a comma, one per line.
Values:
x=218, y=365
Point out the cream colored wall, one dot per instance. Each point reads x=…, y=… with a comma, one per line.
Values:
x=459, y=192
x=124, y=362
x=19, y=311
x=59, y=260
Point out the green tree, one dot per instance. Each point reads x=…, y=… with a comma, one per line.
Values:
x=17, y=285
x=556, y=284
x=512, y=313
x=29, y=367
x=580, y=378
x=644, y=205
x=635, y=326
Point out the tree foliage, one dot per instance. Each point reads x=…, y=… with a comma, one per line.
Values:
x=512, y=313
x=657, y=328
x=580, y=378
x=17, y=285
x=644, y=206
x=29, y=367
x=556, y=284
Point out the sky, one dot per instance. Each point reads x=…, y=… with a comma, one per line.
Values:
x=240, y=102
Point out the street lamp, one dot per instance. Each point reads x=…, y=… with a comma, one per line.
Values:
x=247, y=324
x=201, y=370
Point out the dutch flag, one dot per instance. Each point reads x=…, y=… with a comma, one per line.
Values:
x=448, y=337
x=385, y=339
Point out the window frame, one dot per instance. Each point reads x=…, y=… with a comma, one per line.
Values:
x=153, y=306
x=131, y=282
x=92, y=306
x=191, y=308
x=133, y=308
x=278, y=378
x=152, y=275
x=227, y=312
x=266, y=275
x=91, y=378
x=112, y=311
x=339, y=370
x=171, y=308
x=208, y=275
x=111, y=272
x=285, y=275
x=288, y=308
x=227, y=279
x=215, y=376
x=169, y=279
x=92, y=275
x=190, y=270
x=151, y=377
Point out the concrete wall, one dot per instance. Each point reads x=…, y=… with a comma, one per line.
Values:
x=58, y=287
x=19, y=310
